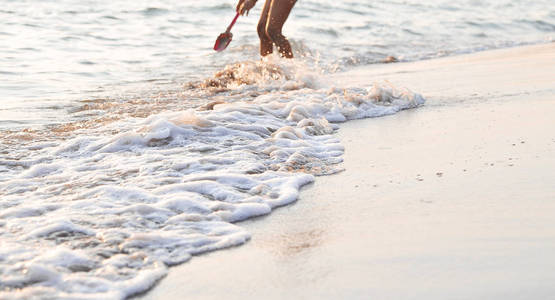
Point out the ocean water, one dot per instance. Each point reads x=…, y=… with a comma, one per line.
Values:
x=127, y=145
x=56, y=54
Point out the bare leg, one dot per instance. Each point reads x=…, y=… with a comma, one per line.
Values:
x=277, y=15
x=266, y=46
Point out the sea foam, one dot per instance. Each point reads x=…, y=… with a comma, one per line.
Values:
x=102, y=216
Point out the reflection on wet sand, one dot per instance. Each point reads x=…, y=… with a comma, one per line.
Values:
x=292, y=244
x=297, y=243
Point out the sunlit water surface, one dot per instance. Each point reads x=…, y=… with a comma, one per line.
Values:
x=55, y=54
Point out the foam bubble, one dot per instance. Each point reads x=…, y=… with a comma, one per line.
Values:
x=270, y=73
x=62, y=226
x=42, y=170
x=102, y=216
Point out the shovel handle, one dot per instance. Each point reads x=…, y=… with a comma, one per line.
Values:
x=232, y=23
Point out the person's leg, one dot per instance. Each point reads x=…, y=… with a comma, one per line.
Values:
x=279, y=11
x=266, y=46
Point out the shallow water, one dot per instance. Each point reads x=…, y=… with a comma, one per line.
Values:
x=127, y=145
x=55, y=54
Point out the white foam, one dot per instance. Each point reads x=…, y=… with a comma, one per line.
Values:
x=100, y=217
x=42, y=170
x=67, y=258
x=59, y=226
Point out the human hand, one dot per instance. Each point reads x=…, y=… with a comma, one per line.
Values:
x=244, y=6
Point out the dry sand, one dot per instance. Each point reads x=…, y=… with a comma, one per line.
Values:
x=454, y=200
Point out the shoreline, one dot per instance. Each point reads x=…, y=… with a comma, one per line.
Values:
x=453, y=200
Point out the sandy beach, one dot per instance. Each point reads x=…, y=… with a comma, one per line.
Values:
x=454, y=200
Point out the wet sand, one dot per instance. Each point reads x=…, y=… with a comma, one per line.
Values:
x=454, y=200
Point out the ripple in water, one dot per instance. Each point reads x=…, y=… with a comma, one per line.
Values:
x=66, y=50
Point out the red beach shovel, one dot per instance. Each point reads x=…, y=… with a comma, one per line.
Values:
x=225, y=38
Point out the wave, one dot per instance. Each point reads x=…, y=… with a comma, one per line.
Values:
x=102, y=214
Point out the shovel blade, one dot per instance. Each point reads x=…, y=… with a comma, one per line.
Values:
x=222, y=41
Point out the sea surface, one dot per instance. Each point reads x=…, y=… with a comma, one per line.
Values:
x=56, y=54
x=127, y=145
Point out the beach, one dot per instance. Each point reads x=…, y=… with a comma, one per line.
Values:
x=405, y=152
x=453, y=200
